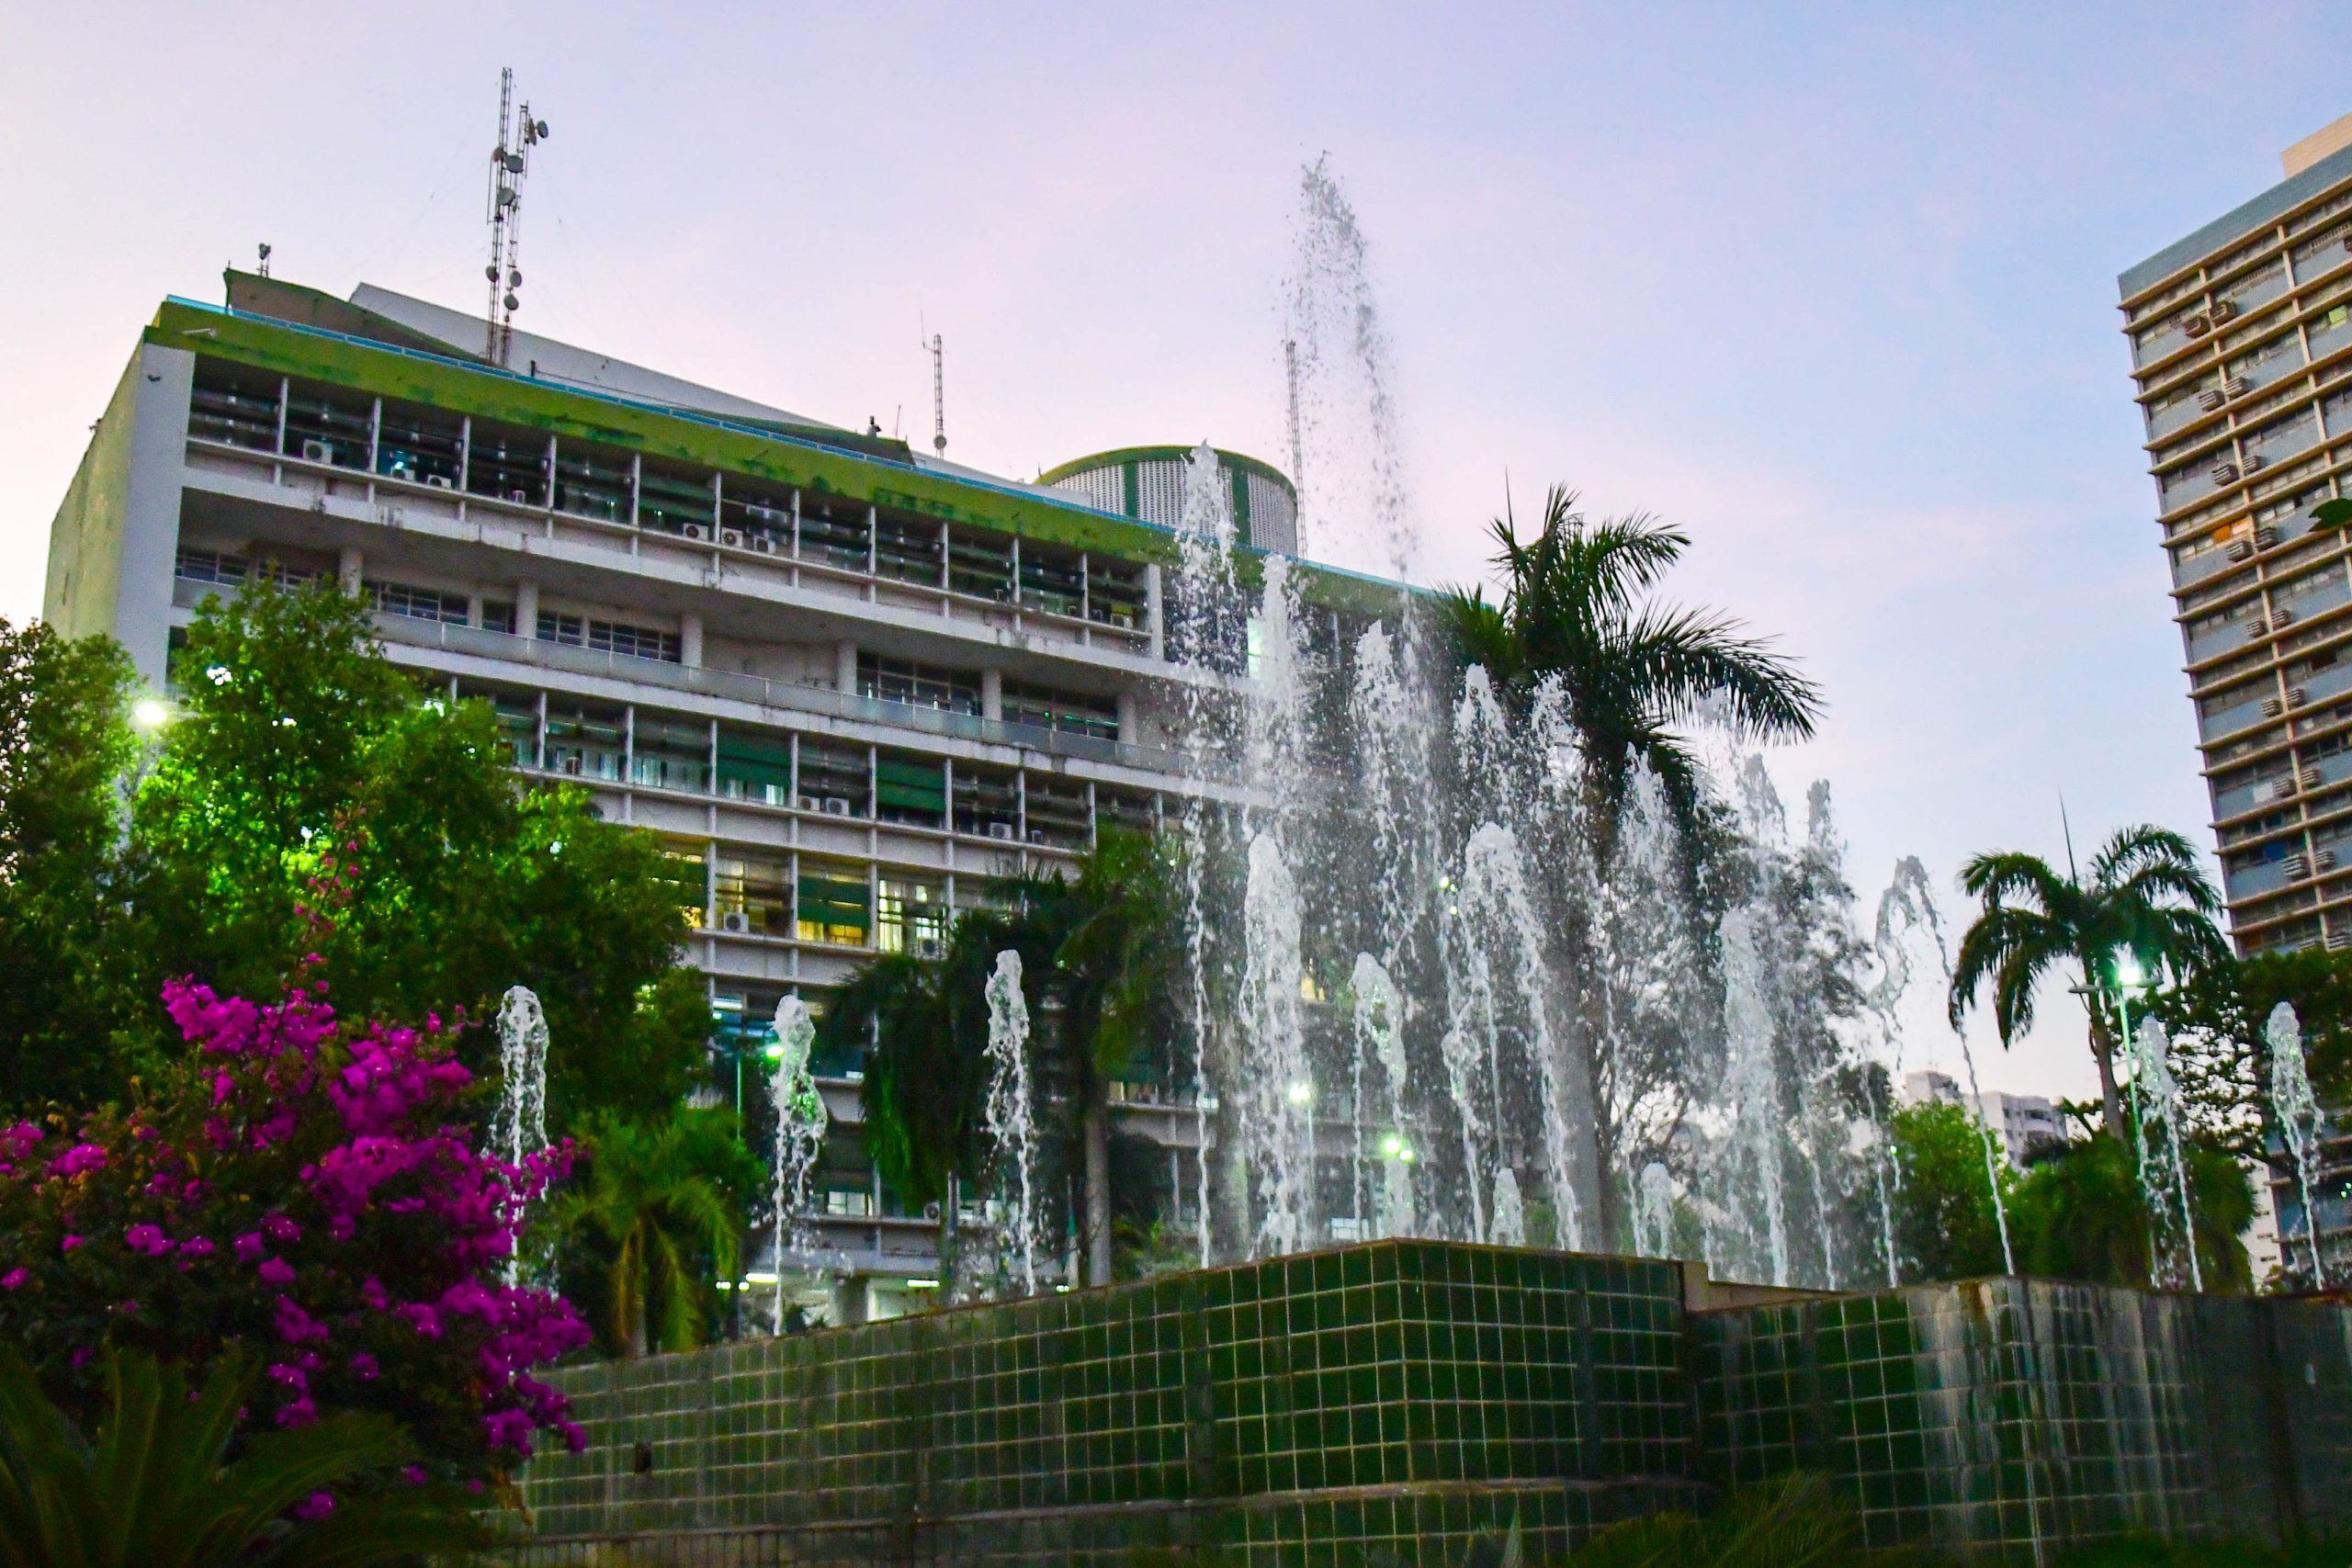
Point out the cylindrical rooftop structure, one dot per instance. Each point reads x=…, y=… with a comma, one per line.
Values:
x=1147, y=483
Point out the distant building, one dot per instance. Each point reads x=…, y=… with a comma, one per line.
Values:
x=2023, y=1121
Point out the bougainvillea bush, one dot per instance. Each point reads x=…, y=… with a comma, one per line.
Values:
x=307, y=1195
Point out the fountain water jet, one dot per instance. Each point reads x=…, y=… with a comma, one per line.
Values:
x=2296, y=1109
x=800, y=1123
x=519, y=1127
x=1012, y=1130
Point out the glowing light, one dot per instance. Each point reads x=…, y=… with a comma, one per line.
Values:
x=1301, y=1093
x=150, y=714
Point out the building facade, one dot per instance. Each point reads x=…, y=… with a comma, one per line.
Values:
x=847, y=685
x=2241, y=341
x=2025, y=1122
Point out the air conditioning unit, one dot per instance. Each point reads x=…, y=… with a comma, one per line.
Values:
x=836, y=805
x=2272, y=708
x=731, y=539
x=926, y=947
x=2196, y=326
x=1000, y=830
x=2257, y=629
x=807, y=803
x=735, y=921
x=519, y=497
x=2341, y=936
x=2209, y=398
x=400, y=471
x=2324, y=861
x=2296, y=867
x=2312, y=778
x=695, y=531
x=2281, y=619
x=2266, y=537
x=2225, y=473
x=2222, y=310
x=763, y=543
x=439, y=481
x=317, y=451
x=2283, y=789
x=2241, y=549
x=2297, y=697
x=2256, y=462
x=2235, y=387
x=569, y=765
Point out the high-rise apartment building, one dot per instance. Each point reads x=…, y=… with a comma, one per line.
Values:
x=847, y=684
x=2240, y=339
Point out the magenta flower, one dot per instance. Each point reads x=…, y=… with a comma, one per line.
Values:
x=414, y=1474
x=15, y=1278
x=317, y=1506
x=198, y=1246
x=69, y=1242
x=250, y=1246
x=78, y=1160
x=363, y=1366
x=276, y=1272
x=300, y=1413
x=279, y=1228
x=148, y=1240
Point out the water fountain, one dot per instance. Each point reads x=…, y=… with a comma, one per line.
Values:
x=800, y=1123
x=2164, y=1173
x=518, y=1128
x=2297, y=1113
x=1012, y=1129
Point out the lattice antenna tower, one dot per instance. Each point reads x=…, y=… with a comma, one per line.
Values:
x=937, y=349
x=509, y=160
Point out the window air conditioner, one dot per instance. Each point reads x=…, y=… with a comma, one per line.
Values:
x=2296, y=867
x=2241, y=549
x=697, y=531
x=2312, y=778
x=2209, y=398
x=836, y=805
x=439, y=481
x=2196, y=326
x=808, y=803
x=2272, y=708
x=2257, y=629
x=2341, y=937
x=731, y=538
x=2283, y=789
x=2266, y=537
x=1000, y=830
x=2281, y=619
x=2225, y=473
x=317, y=451
x=735, y=921
x=2297, y=697
x=2222, y=310
x=2256, y=462
x=2324, y=861
x=2235, y=387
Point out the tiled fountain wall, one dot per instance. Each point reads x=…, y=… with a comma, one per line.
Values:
x=1394, y=1401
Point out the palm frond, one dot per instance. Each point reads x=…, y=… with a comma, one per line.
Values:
x=1680, y=659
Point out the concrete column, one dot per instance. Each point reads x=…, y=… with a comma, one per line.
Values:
x=845, y=666
x=351, y=570
x=690, y=639
x=1152, y=616
x=992, y=694
x=474, y=609
x=526, y=609
x=1128, y=721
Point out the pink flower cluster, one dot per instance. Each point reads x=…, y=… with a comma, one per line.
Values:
x=359, y=1230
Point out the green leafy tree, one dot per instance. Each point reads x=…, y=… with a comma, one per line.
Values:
x=1572, y=610
x=2081, y=1214
x=655, y=1219
x=66, y=745
x=2218, y=1016
x=168, y=1479
x=1945, y=1225
x=2145, y=899
x=305, y=777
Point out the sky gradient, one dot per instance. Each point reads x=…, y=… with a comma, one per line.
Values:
x=1831, y=287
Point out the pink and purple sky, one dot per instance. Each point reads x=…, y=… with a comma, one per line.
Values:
x=1831, y=286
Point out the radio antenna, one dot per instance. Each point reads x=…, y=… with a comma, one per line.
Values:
x=509, y=160
x=938, y=351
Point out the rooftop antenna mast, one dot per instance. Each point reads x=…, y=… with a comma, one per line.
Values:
x=509, y=160
x=938, y=351
x=1290, y=391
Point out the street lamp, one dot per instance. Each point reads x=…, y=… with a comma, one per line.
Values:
x=150, y=714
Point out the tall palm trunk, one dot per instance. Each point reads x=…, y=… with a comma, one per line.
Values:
x=2111, y=1100
x=1098, y=1184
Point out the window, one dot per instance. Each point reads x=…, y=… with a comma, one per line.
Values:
x=1067, y=712
x=417, y=603
x=756, y=767
x=584, y=742
x=498, y=615
x=633, y=642
x=752, y=895
x=233, y=407
x=670, y=753
x=917, y=685
x=569, y=630
x=208, y=566
x=834, y=904
x=681, y=871
x=834, y=777
x=910, y=789
x=911, y=916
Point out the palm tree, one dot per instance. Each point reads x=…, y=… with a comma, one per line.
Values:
x=661, y=1207
x=1631, y=672
x=156, y=1483
x=2081, y=1214
x=1098, y=954
x=2145, y=901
